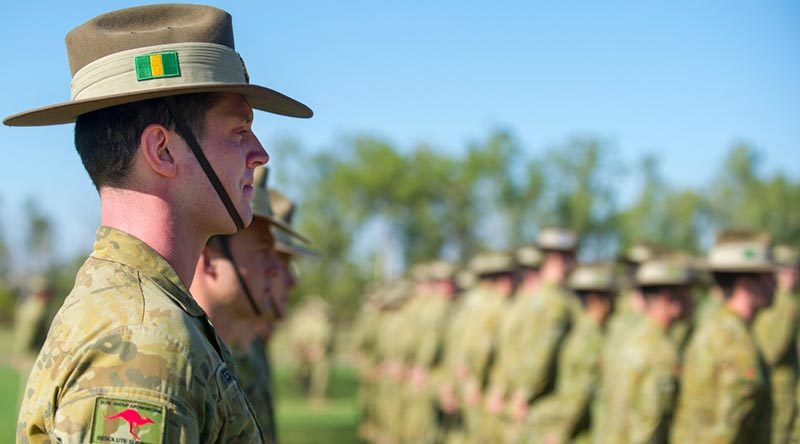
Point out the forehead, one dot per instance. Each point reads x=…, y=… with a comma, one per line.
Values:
x=231, y=106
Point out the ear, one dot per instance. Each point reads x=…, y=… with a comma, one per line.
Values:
x=207, y=262
x=154, y=145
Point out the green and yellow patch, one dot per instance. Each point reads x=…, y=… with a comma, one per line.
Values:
x=157, y=65
x=127, y=421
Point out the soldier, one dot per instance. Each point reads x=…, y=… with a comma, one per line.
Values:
x=310, y=334
x=641, y=403
x=364, y=358
x=480, y=332
x=233, y=283
x=724, y=387
x=775, y=330
x=130, y=355
x=392, y=349
x=563, y=416
x=512, y=342
x=30, y=326
x=546, y=328
x=436, y=294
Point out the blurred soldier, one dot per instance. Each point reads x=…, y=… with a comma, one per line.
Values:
x=437, y=292
x=725, y=393
x=628, y=310
x=163, y=112
x=563, y=416
x=641, y=404
x=30, y=325
x=548, y=324
x=310, y=335
x=775, y=329
x=495, y=272
x=392, y=345
x=234, y=283
x=513, y=342
x=364, y=339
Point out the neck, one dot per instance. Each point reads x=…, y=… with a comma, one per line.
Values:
x=658, y=319
x=156, y=223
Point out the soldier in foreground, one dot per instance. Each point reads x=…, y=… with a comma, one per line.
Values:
x=642, y=400
x=130, y=355
x=564, y=415
x=725, y=393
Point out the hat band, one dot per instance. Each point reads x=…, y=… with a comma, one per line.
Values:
x=197, y=63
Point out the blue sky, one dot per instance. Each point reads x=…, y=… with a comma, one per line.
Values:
x=682, y=79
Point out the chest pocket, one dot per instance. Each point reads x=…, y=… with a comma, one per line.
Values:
x=238, y=422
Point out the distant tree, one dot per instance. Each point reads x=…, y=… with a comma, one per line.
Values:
x=39, y=237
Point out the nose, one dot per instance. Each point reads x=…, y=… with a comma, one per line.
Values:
x=256, y=155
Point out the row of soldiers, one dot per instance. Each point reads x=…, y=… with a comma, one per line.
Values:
x=530, y=348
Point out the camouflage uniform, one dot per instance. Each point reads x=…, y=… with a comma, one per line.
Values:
x=564, y=414
x=775, y=328
x=480, y=341
x=131, y=355
x=539, y=342
x=365, y=333
x=724, y=394
x=252, y=366
x=640, y=405
x=420, y=409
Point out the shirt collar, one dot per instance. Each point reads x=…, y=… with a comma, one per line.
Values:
x=117, y=246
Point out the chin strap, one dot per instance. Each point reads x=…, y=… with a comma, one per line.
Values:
x=188, y=136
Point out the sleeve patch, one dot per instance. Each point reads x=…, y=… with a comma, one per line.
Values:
x=126, y=421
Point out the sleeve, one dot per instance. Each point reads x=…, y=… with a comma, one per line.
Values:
x=137, y=386
x=739, y=382
x=775, y=328
x=652, y=403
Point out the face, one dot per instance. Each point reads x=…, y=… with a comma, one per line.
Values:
x=283, y=283
x=760, y=286
x=253, y=251
x=786, y=278
x=234, y=152
x=557, y=266
x=670, y=305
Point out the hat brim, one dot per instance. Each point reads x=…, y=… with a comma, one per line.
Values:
x=742, y=268
x=295, y=250
x=259, y=97
x=283, y=226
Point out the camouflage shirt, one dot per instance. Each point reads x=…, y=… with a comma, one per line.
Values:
x=130, y=357
x=724, y=394
x=252, y=366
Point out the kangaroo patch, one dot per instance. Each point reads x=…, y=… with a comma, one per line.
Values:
x=125, y=421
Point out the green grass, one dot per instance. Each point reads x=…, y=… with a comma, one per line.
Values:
x=298, y=421
x=9, y=386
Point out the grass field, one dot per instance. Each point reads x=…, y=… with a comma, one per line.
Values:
x=298, y=421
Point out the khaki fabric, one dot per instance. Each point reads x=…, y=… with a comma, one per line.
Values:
x=253, y=369
x=724, y=387
x=639, y=407
x=130, y=331
x=564, y=414
x=775, y=330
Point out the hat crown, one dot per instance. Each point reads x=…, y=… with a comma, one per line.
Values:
x=557, y=238
x=742, y=251
x=665, y=271
x=146, y=26
x=593, y=277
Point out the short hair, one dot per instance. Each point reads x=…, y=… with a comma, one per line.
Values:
x=107, y=139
